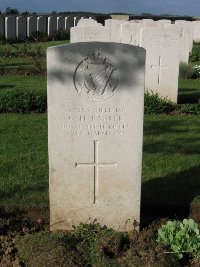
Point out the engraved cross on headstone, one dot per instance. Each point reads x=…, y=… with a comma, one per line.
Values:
x=96, y=165
x=159, y=67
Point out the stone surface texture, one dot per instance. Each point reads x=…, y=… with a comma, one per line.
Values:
x=95, y=133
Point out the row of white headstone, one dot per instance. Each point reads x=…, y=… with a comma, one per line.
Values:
x=21, y=27
x=166, y=46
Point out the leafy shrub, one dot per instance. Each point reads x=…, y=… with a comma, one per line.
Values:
x=39, y=37
x=2, y=39
x=155, y=104
x=181, y=237
x=109, y=246
x=88, y=233
x=193, y=109
x=60, y=35
x=23, y=101
x=185, y=71
x=36, y=54
x=195, y=55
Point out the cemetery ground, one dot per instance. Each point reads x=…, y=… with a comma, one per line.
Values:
x=170, y=179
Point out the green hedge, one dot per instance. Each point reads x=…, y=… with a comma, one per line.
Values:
x=23, y=101
x=32, y=100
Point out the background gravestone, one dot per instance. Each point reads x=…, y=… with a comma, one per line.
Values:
x=51, y=25
x=60, y=23
x=162, y=61
x=2, y=26
x=114, y=27
x=184, y=43
x=31, y=25
x=131, y=33
x=196, y=31
x=95, y=132
x=42, y=24
x=21, y=27
x=88, y=33
x=10, y=28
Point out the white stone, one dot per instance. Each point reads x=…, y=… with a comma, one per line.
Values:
x=187, y=27
x=196, y=31
x=88, y=22
x=95, y=132
x=2, y=26
x=42, y=24
x=163, y=22
x=131, y=33
x=51, y=25
x=89, y=34
x=60, y=23
x=76, y=20
x=69, y=22
x=184, y=43
x=10, y=28
x=148, y=23
x=162, y=61
x=114, y=27
x=31, y=25
x=21, y=27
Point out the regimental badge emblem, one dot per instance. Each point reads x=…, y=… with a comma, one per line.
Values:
x=96, y=78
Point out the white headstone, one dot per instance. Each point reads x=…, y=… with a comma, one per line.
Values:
x=88, y=22
x=76, y=20
x=69, y=22
x=184, y=43
x=114, y=27
x=31, y=25
x=51, y=25
x=148, y=23
x=89, y=34
x=2, y=26
x=60, y=23
x=21, y=27
x=42, y=24
x=163, y=22
x=95, y=130
x=162, y=61
x=187, y=27
x=196, y=31
x=131, y=33
x=10, y=28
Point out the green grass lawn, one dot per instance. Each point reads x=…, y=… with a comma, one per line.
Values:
x=23, y=82
x=23, y=157
x=171, y=161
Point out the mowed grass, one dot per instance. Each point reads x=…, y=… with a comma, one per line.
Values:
x=189, y=91
x=23, y=82
x=171, y=164
x=171, y=160
x=24, y=162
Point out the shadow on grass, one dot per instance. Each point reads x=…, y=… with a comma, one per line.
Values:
x=14, y=64
x=170, y=196
x=189, y=96
x=17, y=190
x=3, y=86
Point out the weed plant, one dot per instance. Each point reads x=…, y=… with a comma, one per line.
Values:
x=154, y=104
x=186, y=71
